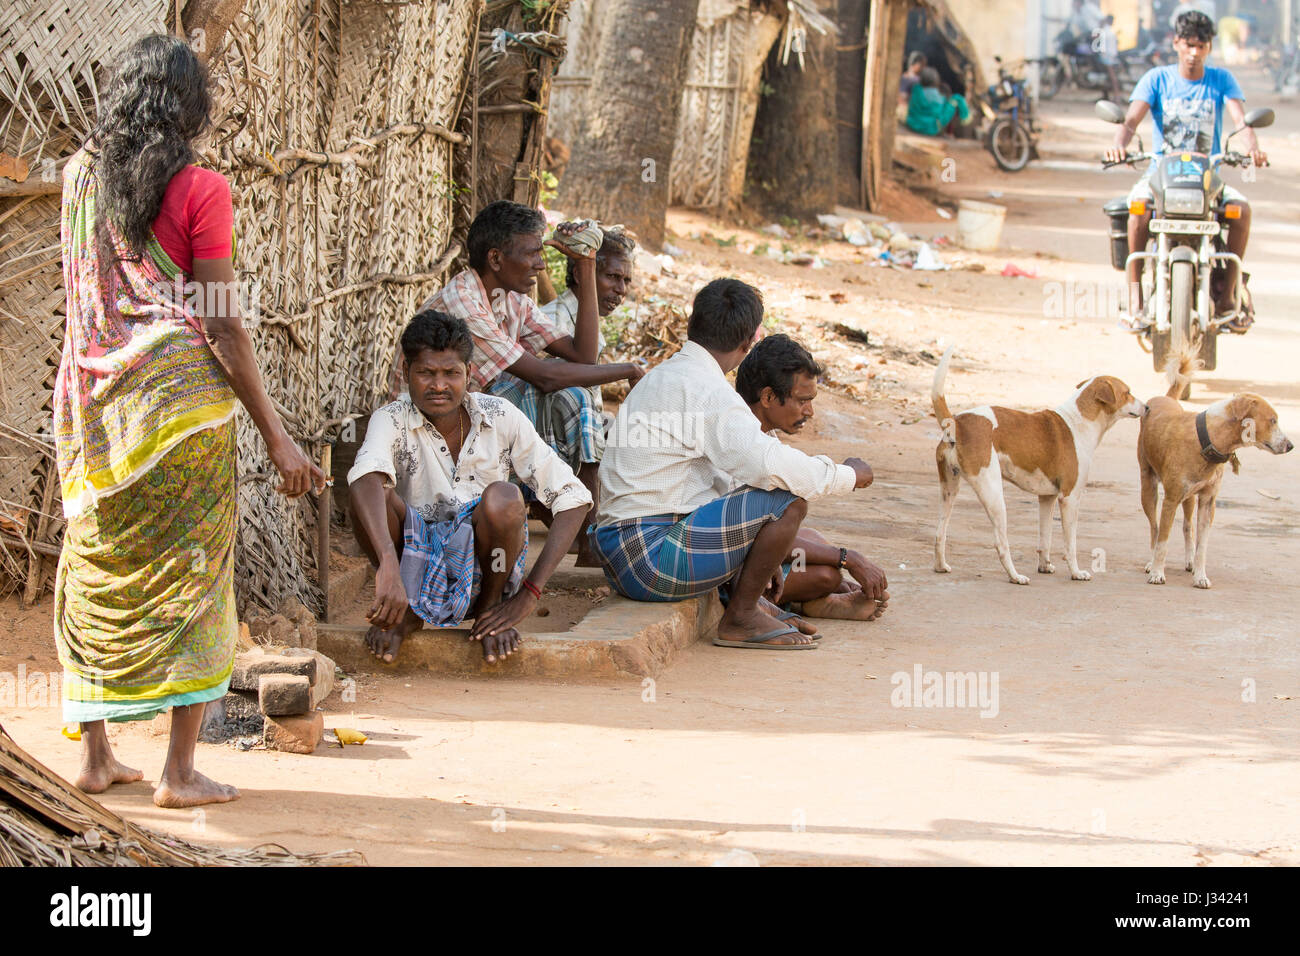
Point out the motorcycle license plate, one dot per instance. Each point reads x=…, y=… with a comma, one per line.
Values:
x=1186, y=227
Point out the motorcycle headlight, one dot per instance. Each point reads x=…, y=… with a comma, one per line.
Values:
x=1185, y=202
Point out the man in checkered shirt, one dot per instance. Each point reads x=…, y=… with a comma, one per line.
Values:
x=510, y=333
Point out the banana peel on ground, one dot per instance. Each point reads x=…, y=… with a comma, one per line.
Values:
x=346, y=736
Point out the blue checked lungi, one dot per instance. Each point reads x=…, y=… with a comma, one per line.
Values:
x=568, y=419
x=674, y=557
x=440, y=571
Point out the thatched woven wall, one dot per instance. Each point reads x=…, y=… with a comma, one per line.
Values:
x=335, y=125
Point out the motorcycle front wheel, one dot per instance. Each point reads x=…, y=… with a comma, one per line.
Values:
x=1182, y=317
x=1010, y=144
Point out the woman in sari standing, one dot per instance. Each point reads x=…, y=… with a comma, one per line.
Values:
x=144, y=424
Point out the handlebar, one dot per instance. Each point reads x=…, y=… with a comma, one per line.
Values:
x=1230, y=158
x=1128, y=160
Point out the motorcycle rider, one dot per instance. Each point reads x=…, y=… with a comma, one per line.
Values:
x=1187, y=102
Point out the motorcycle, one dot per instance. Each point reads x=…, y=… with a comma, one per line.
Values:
x=1185, y=259
x=1076, y=61
x=1013, y=134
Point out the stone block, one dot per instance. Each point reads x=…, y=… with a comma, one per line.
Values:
x=283, y=694
x=295, y=735
x=251, y=665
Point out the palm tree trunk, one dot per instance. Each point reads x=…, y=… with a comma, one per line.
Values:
x=623, y=150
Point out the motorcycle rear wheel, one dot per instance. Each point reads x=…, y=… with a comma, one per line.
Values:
x=1010, y=144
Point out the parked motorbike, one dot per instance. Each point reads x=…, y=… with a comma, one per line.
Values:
x=1076, y=62
x=1013, y=134
x=1185, y=261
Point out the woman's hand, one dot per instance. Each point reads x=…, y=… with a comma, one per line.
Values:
x=298, y=473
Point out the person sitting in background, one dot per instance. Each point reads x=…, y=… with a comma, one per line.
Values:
x=510, y=332
x=433, y=507
x=778, y=381
x=916, y=62
x=931, y=112
x=613, y=277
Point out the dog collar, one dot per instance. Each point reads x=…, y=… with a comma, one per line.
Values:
x=1208, y=451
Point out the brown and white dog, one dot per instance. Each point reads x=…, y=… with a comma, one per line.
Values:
x=1184, y=452
x=1047, y=453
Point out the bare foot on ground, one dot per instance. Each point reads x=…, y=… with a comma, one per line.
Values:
x=499, y=646
x=846, y=606
x=97, y=778
x=385, y=644
x=194, y=791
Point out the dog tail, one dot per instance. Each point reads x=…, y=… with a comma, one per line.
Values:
x=940, y=404
x=1178, y=372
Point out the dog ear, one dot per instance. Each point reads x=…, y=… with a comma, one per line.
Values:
x=1106, y=392
x=1081, y=384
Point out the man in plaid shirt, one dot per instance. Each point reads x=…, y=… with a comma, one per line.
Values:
x=510, y=333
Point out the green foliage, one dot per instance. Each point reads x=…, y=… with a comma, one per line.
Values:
x=557, y=265
x=550, y=186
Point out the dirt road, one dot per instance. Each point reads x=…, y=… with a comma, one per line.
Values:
x=1122, y=723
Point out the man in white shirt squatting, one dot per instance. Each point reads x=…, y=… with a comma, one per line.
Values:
x=778, y=381
x=671, y=522
x=433, y=507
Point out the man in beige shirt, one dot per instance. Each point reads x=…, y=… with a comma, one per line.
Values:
x=670, y=525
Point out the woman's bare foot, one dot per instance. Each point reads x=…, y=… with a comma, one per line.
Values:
x=737, y=626
x=848, y=606
x=98, y=776
x=191, y=790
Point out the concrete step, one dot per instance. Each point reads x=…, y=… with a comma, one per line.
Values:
x=346, y=586
x=617, y=639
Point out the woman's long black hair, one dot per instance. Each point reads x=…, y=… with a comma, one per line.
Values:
x=155, y=106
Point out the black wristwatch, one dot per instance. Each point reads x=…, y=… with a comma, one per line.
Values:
x=844, y=557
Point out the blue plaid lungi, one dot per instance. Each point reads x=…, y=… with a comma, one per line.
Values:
x=439, y=569
x=674, y=557
x=568, y=419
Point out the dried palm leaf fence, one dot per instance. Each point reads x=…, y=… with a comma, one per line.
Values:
x=358, y=136
x=731, y=41
x=45, y=821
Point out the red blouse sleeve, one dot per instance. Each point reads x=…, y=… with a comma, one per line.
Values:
x=210, y=215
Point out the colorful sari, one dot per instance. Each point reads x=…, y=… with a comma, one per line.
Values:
x=144, y=614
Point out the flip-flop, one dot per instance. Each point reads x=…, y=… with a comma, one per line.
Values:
x=789, y=615
x=758, y=641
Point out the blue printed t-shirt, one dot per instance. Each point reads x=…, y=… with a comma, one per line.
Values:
x=1188, y=114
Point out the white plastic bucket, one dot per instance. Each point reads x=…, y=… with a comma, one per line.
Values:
x=979, y=224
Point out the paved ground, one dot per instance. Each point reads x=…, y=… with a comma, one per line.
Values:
x=1132, y=725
